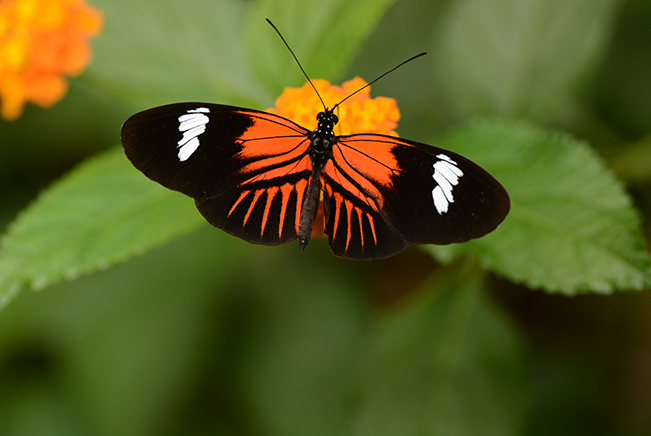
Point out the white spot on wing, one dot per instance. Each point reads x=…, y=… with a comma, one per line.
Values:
x=444, y=157
x=446, y=175
x=440, y=202
x=192, y=125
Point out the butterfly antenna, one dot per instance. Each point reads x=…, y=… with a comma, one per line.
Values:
x=299, y=64
x=378, y=78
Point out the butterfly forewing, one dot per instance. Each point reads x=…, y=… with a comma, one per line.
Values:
x=247, y=170
x=205, y=149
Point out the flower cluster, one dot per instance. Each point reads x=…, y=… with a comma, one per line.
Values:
x=41, y=42
x=358, y=114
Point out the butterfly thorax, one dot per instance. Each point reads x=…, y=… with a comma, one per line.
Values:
x=323, y=138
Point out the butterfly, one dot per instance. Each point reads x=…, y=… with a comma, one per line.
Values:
x=260, y=177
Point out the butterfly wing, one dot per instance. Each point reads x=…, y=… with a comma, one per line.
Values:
x=247, y=170
x=383, y=193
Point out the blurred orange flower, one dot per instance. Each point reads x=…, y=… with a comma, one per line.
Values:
x=41, y=42
x=359, y=114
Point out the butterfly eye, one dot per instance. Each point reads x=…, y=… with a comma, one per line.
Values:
x=320, y=116
x=334, y=118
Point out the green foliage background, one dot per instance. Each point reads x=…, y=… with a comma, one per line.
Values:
x=155, y=323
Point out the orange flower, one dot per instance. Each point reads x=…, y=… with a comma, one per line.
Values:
x=359, y=114
x=41, y=42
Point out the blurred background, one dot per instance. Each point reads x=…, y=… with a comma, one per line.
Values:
x=209, y=335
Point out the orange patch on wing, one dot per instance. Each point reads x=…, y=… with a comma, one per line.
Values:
x=349, y=210
x=285, y=192
x=361, y=224
x=271, y=193
x=295, y=167
x=238, y=201
x=369, y=156
x=272, y=145
x=274, y=152
x=338, y=201
x=256, y=196
x=269, y=136
x=370, y=221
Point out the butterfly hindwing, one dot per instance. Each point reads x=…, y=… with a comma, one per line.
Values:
x=259, y=212
x=408, y=193
x=247, y=170
x=354, y=223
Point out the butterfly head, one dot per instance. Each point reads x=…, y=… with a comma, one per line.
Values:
x=323, y=138
x=327, y=120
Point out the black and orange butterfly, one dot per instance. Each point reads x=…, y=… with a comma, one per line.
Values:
x=260, y=177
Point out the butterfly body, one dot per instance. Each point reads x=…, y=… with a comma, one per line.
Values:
x=261, y=177
x=322, y=140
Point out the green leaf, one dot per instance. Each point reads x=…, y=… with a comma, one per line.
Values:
x=323, y=35
x=218, y=50
x=159, y=51
x=102, y=213
x=526, y=58
x=572, y=227
x=447, y=364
